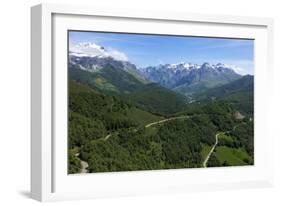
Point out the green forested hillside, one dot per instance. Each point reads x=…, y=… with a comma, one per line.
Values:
x=116, y=82
x=157, y=99
x=108, y=80
x=113, y=135
x=240, y=93
x=176, y=145
x=112, y=111
x=235, y=147
x=93, y=115
x=245, y=83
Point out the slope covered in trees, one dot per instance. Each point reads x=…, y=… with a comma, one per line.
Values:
x=93, y=115
x=239, y=93
x=117, y=82
x=130, y=145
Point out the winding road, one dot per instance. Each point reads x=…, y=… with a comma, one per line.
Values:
x=84, y=165
x=214, y=146
x=186, y=117
x=211, y=151
x=166, y=120
x=154, y=123
x=106, y=137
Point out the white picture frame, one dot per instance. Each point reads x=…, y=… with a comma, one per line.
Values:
x=49, y=179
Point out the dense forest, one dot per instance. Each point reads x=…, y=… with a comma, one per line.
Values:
x=149, y=127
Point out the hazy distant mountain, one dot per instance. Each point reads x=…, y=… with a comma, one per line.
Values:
x=190, y=78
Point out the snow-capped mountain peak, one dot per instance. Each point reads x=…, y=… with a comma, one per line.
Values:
x=183, y=66
x=174, y=75
x=90, y=49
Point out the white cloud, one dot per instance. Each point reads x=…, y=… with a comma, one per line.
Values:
x=238, y=70
x=93, y=50
x=117, y=55
x=242, y=67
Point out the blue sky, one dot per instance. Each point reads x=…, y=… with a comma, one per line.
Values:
x=148, y=50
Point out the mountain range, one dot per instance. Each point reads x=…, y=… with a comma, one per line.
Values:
x=153, y=85
x=189, y=78
x=112, y=77
x=186, y=78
